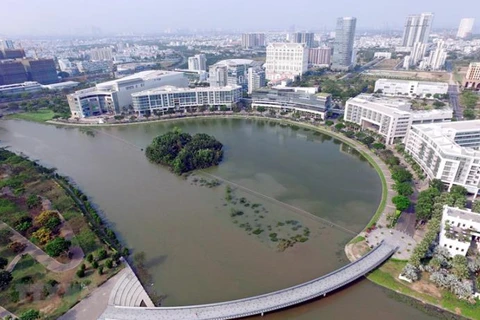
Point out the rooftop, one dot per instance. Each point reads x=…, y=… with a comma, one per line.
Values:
x=183, y=89
x=143, y=75
x=237, y=62
x=386, y=105
x=464, y=214
x=431, y=83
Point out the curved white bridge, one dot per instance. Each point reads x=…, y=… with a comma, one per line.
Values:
x=262, y=303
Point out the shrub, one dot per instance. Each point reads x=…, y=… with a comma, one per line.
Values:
x=90, y=258
x=109, y=263
x=5, y=279
x=57, y=246
x=30, y=315
x=95, y=265
x=401, y=202
x=80, y=273
x=42, y=235
x=17, y=247
x=43, y=217
x=3, y=262
x=33, y=201
x=5, y=235
x=102, y=254
x=100, y=270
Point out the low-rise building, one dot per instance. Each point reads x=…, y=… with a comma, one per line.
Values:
x=293, y=98
x=232, y=72
x=390, y=117
x=168, y=98
x=407, y=88
x=116, y=96
x=460, y=229
x=19, y=88
x=448, y=151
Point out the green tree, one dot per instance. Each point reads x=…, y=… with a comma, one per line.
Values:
x=339, y=126
x=5, y=235
x=109, y=263
x=95, y=265
x=404, y=188
x=378, y=146
x=5, y=279
x=329, y=123
x=100, y=270
x=469, y=114
x=30, y=315
x=90, y=258
x=81, y=273
x=400, y=174
x=102, y=254
x=437, y=184
x=460, y=266
x=57, y=246
x=401, y=202
x=3, y=262
x=425, y=202
x=261, y=109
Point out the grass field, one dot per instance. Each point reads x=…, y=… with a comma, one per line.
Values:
x=41, y=115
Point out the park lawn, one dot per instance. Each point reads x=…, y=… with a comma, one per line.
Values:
x=387, y=276
x=40, y=115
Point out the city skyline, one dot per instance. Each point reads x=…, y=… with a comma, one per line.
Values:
x=148, y=16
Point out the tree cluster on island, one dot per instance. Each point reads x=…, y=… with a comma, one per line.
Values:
x=183, y=152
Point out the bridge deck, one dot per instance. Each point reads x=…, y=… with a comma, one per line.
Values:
x=263, y=303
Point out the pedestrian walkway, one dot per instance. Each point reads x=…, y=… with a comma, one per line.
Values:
x=5, y=313
x=259, y=305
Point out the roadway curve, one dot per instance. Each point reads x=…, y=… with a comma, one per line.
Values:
x=263, y=303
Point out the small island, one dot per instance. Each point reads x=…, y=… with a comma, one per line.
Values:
x=183, y=152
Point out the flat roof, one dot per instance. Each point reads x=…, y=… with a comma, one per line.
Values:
x=410, y=81
x=387, y=105
x=463, y=214
x=142, y=75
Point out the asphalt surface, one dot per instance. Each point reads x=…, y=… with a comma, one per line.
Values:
x=454, y=103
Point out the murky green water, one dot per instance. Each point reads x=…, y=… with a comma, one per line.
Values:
x=195, y=251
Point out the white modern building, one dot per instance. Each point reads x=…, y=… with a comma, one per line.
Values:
x=285, y=61
x=256, y=79
x=448, y=151
x=197, y=63
x=232, y=72
x=320, y=57
x=390, y=117
x=417, y=29
x=173, y=98
x=343, y=54
x=465, y=28
x=422, y=89
x=19, y=88
x=100, y=54
x=436, y=59
x=460, y=228
x=116, y=96
x=382, y=54
x=416, y=55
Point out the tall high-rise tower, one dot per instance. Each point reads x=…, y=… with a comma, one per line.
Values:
x=417, y=29
x=303, y=37
x=343, y=44
x=465, y=28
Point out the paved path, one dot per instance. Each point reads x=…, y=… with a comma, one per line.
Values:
x=92, y=306
x=43, y=258
x=4, y=313
x=260, y=304
x=405, y=242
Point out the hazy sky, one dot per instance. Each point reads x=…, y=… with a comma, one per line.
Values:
x=56, y=17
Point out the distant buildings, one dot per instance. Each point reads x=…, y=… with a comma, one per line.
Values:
x=168, y=98
x=448, y=151
x=343, y=57
x=417, y=29
x=459, y=229
x=320, y=57
x=253, y=40
x=256, y=79
x=19, y=88
x=465, y=28
x=308, y=38
x=472, y=78
x=198, y=62
x=391, y=118
x=285, y=61
x=95, y=66
x=293, y=98
x=408, y=88
x=101, y=54
x=22, y=70
x=381, y=54
x=436, y=60
x=116, y=96
x=231, y=72
x=6, y=44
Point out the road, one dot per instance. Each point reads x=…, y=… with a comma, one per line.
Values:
x=454, y=103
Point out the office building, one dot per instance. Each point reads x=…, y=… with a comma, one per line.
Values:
x=198, y=62
x=43, y=71
x=465, y=28
x=343, y=57
x=436, y=59
x=417, y=29
x=256, y=79
x=12, y=54
x=12, y=72
x=116, y=96
x=319, y=57
x=6, y=44
x=253, y=40
x=472, y=78
x=232, y=72
x=448, y=151
x=19, y=88
x=293, y=99
x=194, y=76
x=167, y=98
x=410, y=88
x=285, y=61
x=100, y=54
x=308, y=38
x=459, y=230
x=391, y=118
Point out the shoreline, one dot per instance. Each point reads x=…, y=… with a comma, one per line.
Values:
x=367, y=154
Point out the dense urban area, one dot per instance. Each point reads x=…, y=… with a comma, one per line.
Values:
x=406, y=100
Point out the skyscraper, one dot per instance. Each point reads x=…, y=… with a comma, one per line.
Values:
x=303, y=37
x=197, y=62
x=465, y=28
x=437, y=57
x=6, y=44
x=417, y=29
x=253, y=40
x=343, y=44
